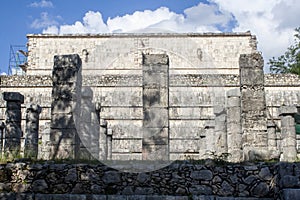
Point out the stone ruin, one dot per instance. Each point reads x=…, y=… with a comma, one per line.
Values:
x=148, y=97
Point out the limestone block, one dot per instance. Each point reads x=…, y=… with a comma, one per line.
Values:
x=62, y=121
x=234, y=93
x=121, y=96
x=127, y=156
x=62, y=136
x=155, y=117
x=186, y=113
x=63, y=151
x=13, y=96
x=155, y=97
x=124, y=113
x=251, y=69
x=155, y=136
x=63, y=91
x=12, y=105
x=234, y=102
x=189, y=96
x=184, y=156
x=155, y=59
x=123, y=129
x=126, y=146
x=182, y=146
x=155, y=77
x=13, y=130
x=287, y=110
x=155, y=152
x=64, y=75
x=70, y=61
x=186, y=132
x=13, y=116
x=62, y=106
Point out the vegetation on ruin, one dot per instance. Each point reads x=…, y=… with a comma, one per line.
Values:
x=289, y=62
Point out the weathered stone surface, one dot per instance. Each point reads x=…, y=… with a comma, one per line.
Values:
x=13, y=131
x=202, y=175
x=39, y=186
x=66, y=94
x=13, y=96
x=200, y=189
x=260, y=190
x=287, y=110
x=111, y=177
x=32, y=130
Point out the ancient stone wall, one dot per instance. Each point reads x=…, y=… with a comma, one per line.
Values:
x=122, y=53
x=177, y=181
x=211, y=92
x=187, y=124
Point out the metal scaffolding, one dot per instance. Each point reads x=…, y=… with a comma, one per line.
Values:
x=17, y=60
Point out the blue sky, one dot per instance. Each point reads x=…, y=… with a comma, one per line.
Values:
x=267, y=19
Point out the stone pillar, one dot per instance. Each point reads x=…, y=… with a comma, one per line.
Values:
x=32, y=131
x=288, y=133
x=103, y=140
x=155, y=143
x=109, y=143
x=220, y=130
x=234, y=132
x=272, y=140
x=12, y=141
x=65, y=108
x=2, y=132
x=253, y=107
x=89, y=126
x=210, y=139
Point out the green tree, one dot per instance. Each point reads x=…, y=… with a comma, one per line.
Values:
x=290, y=61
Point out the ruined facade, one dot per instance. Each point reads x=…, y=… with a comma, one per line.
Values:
x=153, y=97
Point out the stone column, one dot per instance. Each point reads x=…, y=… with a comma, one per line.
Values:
x=272, y=140
x=103, y=140
x=32, y=131
x=2, y=130
x=65, y=108
x=12, y=141
x=155, y=144
x=109, y=143
x=210, y=139
x=220, y=130
x=288, y=133
x=234, y=132
x=253, y=107
x=89, y=126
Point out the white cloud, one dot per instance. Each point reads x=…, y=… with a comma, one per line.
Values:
x=202, y=17
x=42, y=4
x=45, y=21
x=92, y=23
x=51, y=30
x=272, y=21
x=3, y=74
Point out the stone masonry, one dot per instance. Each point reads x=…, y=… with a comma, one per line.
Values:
x=198, y=95
x=214, y=181
x=32, y=131
x=253, y=107
x=65, y=107
x=13, y=131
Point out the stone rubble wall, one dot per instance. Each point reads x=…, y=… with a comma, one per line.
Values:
x=178, y=179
